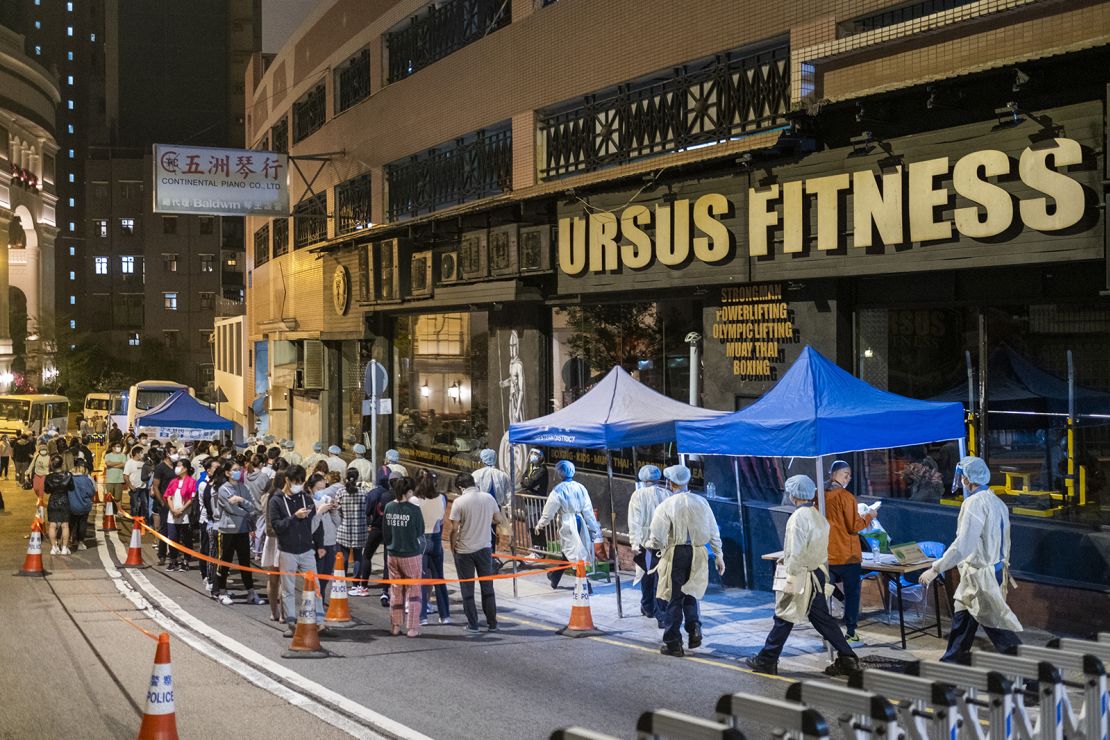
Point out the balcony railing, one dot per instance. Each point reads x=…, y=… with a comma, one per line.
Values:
x=281, y=236
x=693, y=105
x=310, y=221
x=899, y=15
x=472, y=167
x=352, y=81
x=262, y=245
x=352, y=204
x=442, y=30
x=279, y=135
x=309, y=113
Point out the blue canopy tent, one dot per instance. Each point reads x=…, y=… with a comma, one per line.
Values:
x=185, y=415
x=818, y=409
x=616, y=413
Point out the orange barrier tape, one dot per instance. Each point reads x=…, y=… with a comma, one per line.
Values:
x=562, y=565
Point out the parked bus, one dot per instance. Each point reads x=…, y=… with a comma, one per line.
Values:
x=113, y=403
x=147, y=394
x=34, y=411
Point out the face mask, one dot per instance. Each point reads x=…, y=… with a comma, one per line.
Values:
x=967, y=489
x=179, y=470
x=175, y=457
x=534, y=458
x=297, y=487
x=236, y=475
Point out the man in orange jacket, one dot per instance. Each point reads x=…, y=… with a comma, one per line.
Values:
x=845, y=555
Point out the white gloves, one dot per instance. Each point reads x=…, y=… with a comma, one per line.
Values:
x=927, y=577
x=720, y=566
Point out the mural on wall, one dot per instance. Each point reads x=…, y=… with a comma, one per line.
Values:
x=514, y=382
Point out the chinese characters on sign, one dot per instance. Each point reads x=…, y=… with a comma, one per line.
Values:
x=753, y=323
x=220, y=182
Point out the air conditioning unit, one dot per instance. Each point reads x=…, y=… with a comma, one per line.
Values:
x=389, y=270
x=503, y=250
x=447, y=262
x=535, y=249
x=420, y=274
x=312, y=375
x=473, y=255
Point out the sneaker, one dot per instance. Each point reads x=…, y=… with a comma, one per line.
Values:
x=182, y=567
x=256, y=600
x=170, y=566
x=358, y=591
x=445, y=620
x=854, y=638
x=412, y=633
x=226, y=600
x=844, y=665
x=762, y=665
x=384, y=599
x=55, y=550
x=82, y=546
x=473, y=630
x=208, y=585
x=424, y=622
x=494, y=628
x=674, y=650
x=694, y=638
x=289, y=632
x=65, y=551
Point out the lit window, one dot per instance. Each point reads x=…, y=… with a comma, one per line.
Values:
x=207, y=263
x=69, y=55
x=71, y=177
x=169, y=262
x=72, y=275
x=92, y=37
x=169, y=300
x=69, y=128
x=73, y=251
x=133, y=339
x=72, y=153
x=100, y=264
x=38, y=50
x=127, y=226
x=231, y=259
x=72, y=202
x=69, y=79
x=72, y=324
x=69, y=7
x=73, y=300
x=69, y=30
x=72, y=226
x=69, y=104
x=38, y=25
x=127, y=265
x=101, y=227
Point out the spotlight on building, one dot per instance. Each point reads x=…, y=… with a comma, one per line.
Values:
x=1009, y=114
x=6, y=380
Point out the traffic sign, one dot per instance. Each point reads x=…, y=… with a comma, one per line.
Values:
x=376, y=378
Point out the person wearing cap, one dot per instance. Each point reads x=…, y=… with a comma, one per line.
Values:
x=393, y=463
x=681, y=527
x=845, y=554
x=317, y=455
x=336, y=464
x=290, y=453
x=641, y=507
x=803, y=593
x=491, y=479
x=981, y=554
x=569, y=504
x=361, y=465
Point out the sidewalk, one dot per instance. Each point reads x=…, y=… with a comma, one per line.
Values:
x=735, y=622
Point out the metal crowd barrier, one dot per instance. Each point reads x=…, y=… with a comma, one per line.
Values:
x=527, y=510
x=664, y=723
x=971, y=685
x=1093, y=719
x=1050, y=722
x=927, y=710
x=860, y=714
x=791, y=721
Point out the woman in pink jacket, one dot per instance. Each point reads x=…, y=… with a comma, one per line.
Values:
x=179, y=496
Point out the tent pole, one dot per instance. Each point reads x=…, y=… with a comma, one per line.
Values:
x=512, y=513
x=743, y=529
x=613, y=521
x=820, y=484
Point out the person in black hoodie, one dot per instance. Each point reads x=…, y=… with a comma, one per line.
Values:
x=298, y=545
x=376, y=502
x=57, y=486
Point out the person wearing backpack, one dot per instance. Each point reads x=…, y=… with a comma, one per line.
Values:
x=136, y=473
x=206, y=519
x=237, y=513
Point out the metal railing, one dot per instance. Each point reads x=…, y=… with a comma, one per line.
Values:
x=693, y=105
x=527, y=510
x=442, y=30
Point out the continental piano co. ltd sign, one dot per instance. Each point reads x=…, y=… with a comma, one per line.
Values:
x=907, y=204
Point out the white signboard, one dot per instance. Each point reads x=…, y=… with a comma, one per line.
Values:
x=180, y=433
x=220, y=182
x=385, y=407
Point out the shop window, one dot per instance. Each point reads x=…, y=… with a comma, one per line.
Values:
x=442, y=372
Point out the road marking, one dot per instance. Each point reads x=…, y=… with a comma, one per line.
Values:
x=655, y=651
x=311, y=697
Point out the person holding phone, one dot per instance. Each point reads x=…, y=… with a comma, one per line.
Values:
x=299, y=544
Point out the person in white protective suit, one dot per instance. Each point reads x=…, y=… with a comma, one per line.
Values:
x=393, y=463
x=317, y=455
x=569, y=502
x=290, y=453
x=683, y=524
x=336, y=464
x=981, y=553
x=641, y=508
x=491, y=479
x=364, y=467
x=803, y=592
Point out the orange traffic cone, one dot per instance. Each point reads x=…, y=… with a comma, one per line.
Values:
x=109, y=522
x=135, y=551
x=40, y=510
x=32, y=564
x=339, y=608
x=306, y=637
x=581, y=618
x=159, y=718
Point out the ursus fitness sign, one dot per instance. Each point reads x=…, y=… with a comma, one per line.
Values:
x=894, y=207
